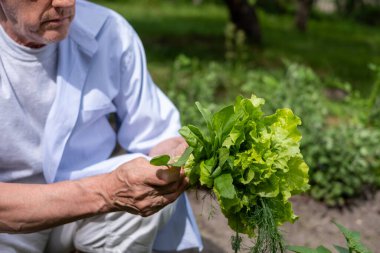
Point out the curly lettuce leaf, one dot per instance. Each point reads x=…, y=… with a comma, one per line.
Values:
x=246, y=158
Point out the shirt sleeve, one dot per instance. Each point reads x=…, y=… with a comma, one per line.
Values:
x=145, y=113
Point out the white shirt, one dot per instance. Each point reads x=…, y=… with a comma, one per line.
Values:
x=102, y=70
x=27, y=81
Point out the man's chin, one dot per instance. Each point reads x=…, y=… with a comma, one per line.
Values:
x=53, y=36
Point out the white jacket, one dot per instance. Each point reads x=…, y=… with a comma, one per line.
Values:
x=102, y=70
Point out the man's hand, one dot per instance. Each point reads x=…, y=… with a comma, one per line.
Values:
x=141, y=188
x=174, y=147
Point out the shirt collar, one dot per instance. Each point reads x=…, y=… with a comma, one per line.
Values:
x=85, y=27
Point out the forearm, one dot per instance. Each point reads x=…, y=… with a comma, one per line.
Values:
x=135, y=186
x=27, y=208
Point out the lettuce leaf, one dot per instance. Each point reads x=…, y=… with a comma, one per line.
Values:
x=245, y=156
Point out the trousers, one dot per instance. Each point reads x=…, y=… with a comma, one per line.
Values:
x=117, y=232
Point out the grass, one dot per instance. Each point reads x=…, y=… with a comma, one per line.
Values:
x=331, y=46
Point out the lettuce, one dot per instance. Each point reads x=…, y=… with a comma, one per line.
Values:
x=251, y=161
x=253, y=164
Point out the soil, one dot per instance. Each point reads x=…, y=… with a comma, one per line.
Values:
x=313, y=228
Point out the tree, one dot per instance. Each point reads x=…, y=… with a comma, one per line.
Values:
x=244, y=16
x=303, y=13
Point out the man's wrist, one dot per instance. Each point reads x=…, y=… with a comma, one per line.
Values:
x=97, y=198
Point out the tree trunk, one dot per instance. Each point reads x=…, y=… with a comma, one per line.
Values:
x=244, y=16
x=351, y=5
x=303, y=12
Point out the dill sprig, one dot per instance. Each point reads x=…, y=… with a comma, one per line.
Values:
x=269, y=238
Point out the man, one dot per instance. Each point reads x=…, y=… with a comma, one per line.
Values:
x=65, y=66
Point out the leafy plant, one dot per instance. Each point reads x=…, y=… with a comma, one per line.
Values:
x=235, y=43
x=191, y=82
x=354, y=244
x=253, y=164
x=346, y=161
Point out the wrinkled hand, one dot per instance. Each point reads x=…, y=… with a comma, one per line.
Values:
x=141, y=188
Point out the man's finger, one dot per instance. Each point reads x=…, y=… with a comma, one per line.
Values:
x=170, y=188
x=169, y=175
x=181, y=188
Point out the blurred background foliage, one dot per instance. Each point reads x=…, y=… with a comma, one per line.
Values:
x=320, y=58
x=334, y=44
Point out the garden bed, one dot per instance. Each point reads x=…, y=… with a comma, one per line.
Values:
x=313, y=228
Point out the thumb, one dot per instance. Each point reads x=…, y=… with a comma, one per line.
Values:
x=169, y=175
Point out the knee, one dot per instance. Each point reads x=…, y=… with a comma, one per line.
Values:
x=120, y=231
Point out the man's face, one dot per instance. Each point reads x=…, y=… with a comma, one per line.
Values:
x=34, y=23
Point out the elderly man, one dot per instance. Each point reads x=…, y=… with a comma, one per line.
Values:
x=65, y=66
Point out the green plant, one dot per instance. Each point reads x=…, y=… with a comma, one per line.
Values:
x=235, y=43
x=346, y=162
x=354, y=244
x=191, y=82
x=252, y=162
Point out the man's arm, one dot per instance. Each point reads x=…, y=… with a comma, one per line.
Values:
x=135, y=187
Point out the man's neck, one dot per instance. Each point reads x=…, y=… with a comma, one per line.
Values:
x=17, y=38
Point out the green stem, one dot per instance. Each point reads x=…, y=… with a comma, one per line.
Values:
x=237, y=238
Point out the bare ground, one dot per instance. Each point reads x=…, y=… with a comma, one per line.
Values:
x=313, y=228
